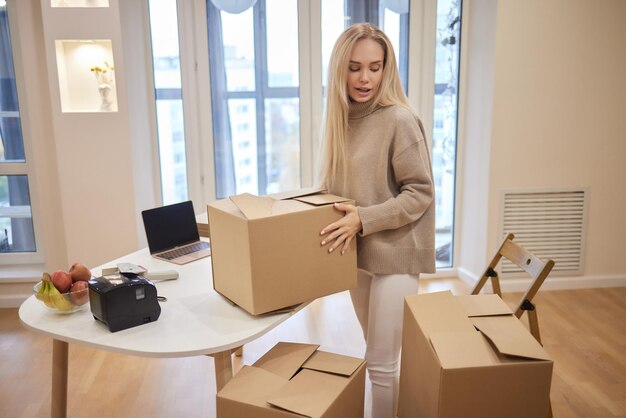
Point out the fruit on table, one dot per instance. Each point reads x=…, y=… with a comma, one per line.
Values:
x=47, y=285
x=50, y=295
x=40, y=291
x=80, y=272
x=44, y=290
x=58, y=300
x=79, y=293
x=62, y=281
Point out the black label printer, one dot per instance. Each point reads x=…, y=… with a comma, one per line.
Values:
x=123, y=300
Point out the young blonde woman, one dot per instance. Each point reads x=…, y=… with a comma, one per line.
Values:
x=375, y=152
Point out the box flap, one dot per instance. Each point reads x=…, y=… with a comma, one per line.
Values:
x=309, y=393
x=510, y=337
x=253, y=207
x=438, y=311
x=332, y=363
x=321, y=199
x=285, y=359
x=252, y=385
x=297, y=193
x=484, y=305
x=462, y=349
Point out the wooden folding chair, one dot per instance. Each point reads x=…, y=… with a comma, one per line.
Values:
x=528, y=262
x=532, y=265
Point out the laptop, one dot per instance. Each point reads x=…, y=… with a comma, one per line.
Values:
x=173, y=235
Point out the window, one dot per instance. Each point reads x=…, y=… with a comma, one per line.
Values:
x=253, y=54
x=444, y=138
x=169, y=100
x=16, y=220
x=266, y=96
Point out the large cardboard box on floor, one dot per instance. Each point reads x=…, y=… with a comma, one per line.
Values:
x=266, y=252
x=469, y=356
x=294, y=380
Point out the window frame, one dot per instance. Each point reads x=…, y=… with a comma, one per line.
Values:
x=25, y=167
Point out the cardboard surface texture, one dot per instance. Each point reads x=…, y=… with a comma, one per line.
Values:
x=202, y=220
x=469, y=356
x=266, y=252
x=294, y=380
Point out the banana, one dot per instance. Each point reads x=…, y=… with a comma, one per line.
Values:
x=39, y=294
x=47, y=284
x=57, y=299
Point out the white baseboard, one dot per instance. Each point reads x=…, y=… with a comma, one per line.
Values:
x=16, y=283
x=467, y=276
x=551, y=283
x=13, y=293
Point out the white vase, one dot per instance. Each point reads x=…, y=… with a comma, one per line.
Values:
x=106, y=104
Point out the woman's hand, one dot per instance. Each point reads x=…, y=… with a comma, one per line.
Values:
x=343, y=230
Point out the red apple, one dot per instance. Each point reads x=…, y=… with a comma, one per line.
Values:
x=80, y=272
x=79, y=293
x=62, y=280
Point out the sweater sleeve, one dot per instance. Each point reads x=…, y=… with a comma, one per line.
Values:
x=411, y=168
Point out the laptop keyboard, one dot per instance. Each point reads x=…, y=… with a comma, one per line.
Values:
x=178, y=252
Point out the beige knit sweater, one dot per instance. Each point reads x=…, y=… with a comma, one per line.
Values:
x=389, y=175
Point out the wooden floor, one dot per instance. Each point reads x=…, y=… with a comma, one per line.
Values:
x=583, y=330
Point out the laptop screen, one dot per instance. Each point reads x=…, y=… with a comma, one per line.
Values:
x=170, y=226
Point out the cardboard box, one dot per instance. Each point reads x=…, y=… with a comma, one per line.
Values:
x=266, y=252
x=469, y=356
x=202, y=221
x=294, y=380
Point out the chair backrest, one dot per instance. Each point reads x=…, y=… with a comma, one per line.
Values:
x=525, y=260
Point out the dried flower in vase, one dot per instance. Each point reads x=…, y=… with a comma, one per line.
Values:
x=103, y=75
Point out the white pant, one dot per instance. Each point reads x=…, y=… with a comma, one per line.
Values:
x=379, y=302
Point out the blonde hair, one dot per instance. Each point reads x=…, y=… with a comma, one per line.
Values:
x=338, y=102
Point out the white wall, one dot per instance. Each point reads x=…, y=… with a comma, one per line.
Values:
x=476, y=136
x=558, y=118
x=93, y=149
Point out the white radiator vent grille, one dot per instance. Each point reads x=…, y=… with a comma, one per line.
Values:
x=548, y=224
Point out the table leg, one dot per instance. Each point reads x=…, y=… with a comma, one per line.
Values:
x=59, y=379
x=223, y=368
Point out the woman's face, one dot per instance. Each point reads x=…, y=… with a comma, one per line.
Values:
x=365, y=70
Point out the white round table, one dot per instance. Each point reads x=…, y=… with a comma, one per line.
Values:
x=195, y=320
